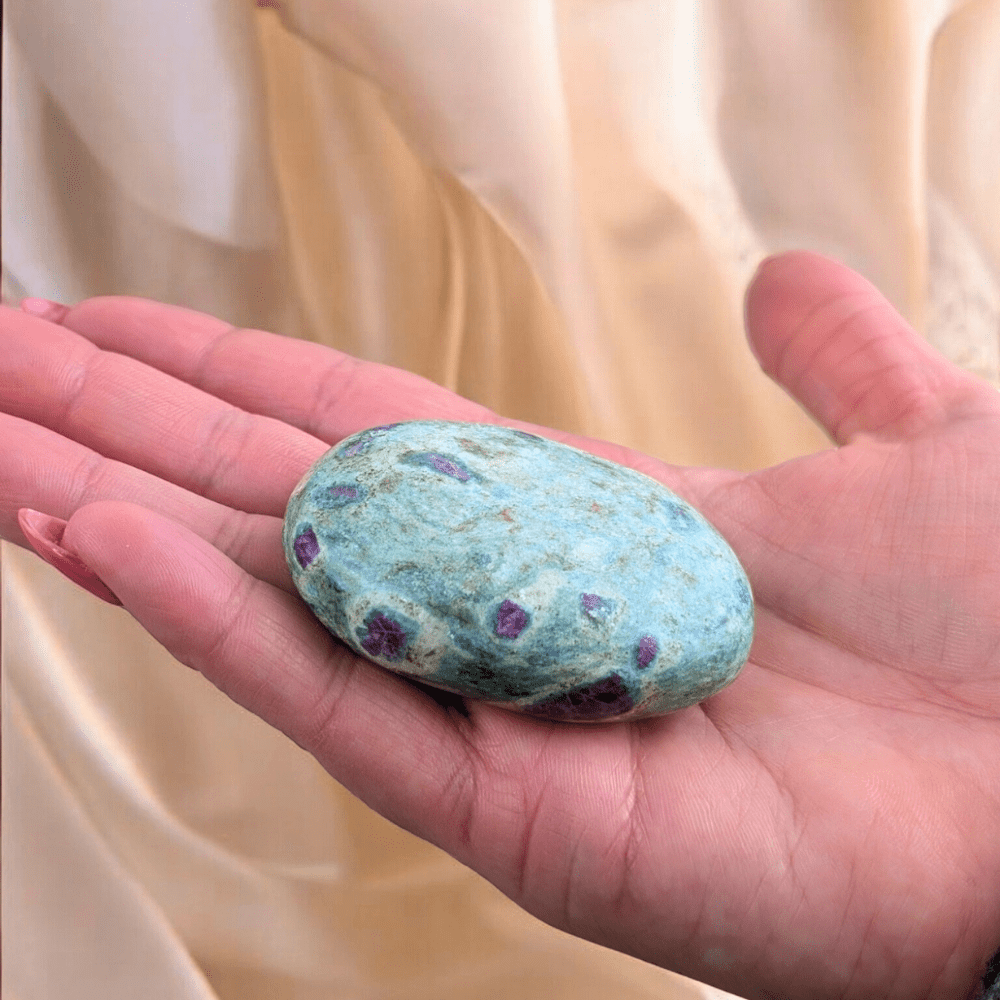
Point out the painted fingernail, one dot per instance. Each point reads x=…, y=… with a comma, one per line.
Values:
x=44, y=309
x=45, y=534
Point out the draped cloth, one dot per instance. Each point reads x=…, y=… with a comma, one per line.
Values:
x=550, y=206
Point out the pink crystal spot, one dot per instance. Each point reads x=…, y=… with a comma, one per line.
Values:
x=448, y=467
x=646, y=653
x=306, y=547
x=511, y=619
x=386, y=638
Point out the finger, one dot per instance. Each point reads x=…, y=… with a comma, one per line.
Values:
x=371, y=730
x=315, y=388
x=136, y=414
x=321, y=391
x=47, y=472
x=45, y=534
x=832, y=340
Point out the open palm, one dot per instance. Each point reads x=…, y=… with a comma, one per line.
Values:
x=825, y=827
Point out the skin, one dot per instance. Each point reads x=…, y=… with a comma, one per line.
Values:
x=827, y=826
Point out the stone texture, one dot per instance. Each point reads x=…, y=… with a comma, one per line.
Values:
x=506, y=567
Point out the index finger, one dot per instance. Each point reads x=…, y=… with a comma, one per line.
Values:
x=318, y=389
x=322, y=391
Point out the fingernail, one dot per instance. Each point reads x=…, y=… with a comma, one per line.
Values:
x=44, y=309
x=45, y=534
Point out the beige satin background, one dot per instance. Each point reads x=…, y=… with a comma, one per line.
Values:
x=553, y=210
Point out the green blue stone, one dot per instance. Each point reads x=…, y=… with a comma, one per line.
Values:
x=506, y=567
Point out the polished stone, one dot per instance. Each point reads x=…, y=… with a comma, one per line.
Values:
x=506, y=567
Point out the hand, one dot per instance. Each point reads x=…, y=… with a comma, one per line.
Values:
x=828, y=826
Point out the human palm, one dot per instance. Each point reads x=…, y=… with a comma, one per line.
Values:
x=825, y=827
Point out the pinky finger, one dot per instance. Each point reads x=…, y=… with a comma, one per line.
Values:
x=263, y=648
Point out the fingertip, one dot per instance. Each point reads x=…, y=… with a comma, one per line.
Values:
x=836, y=344
x=114, y=535
x=751, y=306
x=53, y=312
x=46, y=535
x=782, y=292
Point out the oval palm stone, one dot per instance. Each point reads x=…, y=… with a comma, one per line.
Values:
x=506, y=567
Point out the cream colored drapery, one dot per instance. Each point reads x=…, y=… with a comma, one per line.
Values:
x=551, y=206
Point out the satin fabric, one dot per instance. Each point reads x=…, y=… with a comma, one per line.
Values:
x=552, y=208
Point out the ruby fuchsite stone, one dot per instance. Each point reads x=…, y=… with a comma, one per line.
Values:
x=506, y=567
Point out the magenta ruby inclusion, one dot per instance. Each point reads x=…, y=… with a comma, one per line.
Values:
x=448, y=467
x=646, y=653
x=306, y=547
x=511, y=619
x=602, y=700
x=386, y=638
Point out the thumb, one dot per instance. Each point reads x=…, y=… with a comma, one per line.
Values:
x=840, y=348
